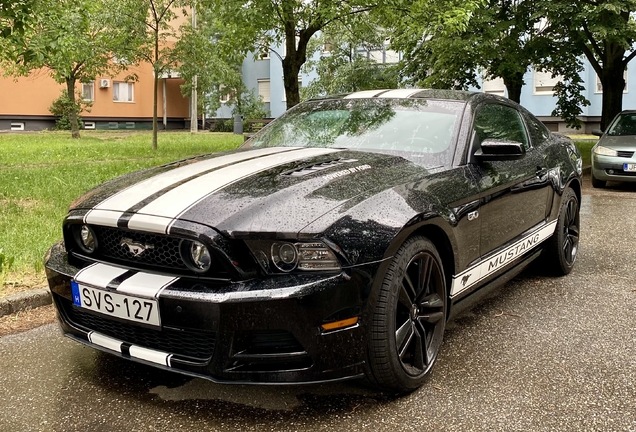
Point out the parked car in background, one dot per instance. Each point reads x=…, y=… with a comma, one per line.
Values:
x=334, y=244
x=613, y=156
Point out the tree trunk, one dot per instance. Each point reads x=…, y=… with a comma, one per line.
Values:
x=291, y=68
x=613, y=86
x=154, y=112
x=514, y=83
x=156, y=87
x=70, y=88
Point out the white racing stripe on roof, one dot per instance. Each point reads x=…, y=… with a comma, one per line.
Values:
x=364, y=94
x=401, y=93
x=158, y=215
x=98, y=275
x=111, y=209
x=104, y=341
x=149, y=355
x=145, y=284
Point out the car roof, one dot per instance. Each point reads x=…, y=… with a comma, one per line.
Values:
x=416, y=93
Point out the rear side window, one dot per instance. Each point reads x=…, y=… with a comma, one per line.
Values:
x=499, y=122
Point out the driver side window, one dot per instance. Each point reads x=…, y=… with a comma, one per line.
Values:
x=499, y=122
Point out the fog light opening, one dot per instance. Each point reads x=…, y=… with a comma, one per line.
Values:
x=335, y=325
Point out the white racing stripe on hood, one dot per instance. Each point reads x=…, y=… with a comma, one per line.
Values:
x=159, y=214
x=364, y=94
x=400, y=94
x=111, y=209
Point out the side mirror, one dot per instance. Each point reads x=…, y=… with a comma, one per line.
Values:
x=500, y=150
x=597, y=132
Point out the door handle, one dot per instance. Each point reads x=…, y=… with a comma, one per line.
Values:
x=541, y=171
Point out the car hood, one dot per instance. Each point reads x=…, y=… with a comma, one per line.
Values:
x=625, y=142
x=269, y=190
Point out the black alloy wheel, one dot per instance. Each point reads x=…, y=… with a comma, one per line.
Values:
x=409, y=318
x=563, y=246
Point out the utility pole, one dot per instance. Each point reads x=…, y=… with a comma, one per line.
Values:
x=193, y=97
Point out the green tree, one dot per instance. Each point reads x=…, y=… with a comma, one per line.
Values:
x=604, y=31
x=200, y=53
x=73, y=39
x=154, y=29
x=502, y=39
x=256, y=24
x=14, y=17
x=344, y=64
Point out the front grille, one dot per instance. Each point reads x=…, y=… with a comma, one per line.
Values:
x=625, y=154
x=164, y=251
x=198, y=345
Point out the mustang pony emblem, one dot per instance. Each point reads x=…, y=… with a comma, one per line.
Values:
x=134, y=247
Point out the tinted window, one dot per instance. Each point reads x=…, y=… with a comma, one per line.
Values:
x=499, y=122
x=418, y=129
x=625, y=124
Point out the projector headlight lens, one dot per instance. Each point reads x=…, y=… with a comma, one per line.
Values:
x=87, y=239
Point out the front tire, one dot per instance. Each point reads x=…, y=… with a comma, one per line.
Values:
x=409, y=318
x=563, y=246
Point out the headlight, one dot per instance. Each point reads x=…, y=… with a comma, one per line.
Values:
x=86, y=239
x=196, y=256
x=287, y=256
x=600, y=150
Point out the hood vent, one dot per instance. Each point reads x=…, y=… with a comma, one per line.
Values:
x=311, y=169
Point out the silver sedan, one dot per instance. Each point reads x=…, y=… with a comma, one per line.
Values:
x=613, y=156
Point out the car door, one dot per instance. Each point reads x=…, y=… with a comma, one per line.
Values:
x=513, y=192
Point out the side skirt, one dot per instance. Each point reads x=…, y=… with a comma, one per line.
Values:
x=490, y=288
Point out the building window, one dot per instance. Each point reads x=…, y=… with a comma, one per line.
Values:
x=123, y=92
x=544, y=83
x=264, y=90
x=494, y=86
x=17, y=126
x=88, y=91
x=599, y=86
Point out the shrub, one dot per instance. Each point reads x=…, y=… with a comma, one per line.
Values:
x=62, y=108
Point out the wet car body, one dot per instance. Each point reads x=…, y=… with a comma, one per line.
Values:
x=250, y=319
x=614, y=156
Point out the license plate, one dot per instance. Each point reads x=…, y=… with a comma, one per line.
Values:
x=141, y=310
x=629, y=167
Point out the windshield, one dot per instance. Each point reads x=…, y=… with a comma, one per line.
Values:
x=625, y=124
x=417, y=129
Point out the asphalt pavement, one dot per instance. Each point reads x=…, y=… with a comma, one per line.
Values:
x=544, y=354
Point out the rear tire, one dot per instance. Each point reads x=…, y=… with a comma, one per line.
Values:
x=409, y=318
x=563, y=246
x=598, y=183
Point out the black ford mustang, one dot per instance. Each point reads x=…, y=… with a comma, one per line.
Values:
x=336, y=243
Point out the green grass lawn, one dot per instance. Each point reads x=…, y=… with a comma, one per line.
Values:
x=42, y=173
x=585, y=147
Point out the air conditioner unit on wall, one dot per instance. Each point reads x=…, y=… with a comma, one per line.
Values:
x=104, y=83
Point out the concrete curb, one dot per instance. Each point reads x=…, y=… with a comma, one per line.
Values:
x=24, y=300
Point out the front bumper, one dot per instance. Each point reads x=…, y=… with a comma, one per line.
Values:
x=610, y=168
x=257, y=331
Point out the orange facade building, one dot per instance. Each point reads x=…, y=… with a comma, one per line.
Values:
x=116, y=102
